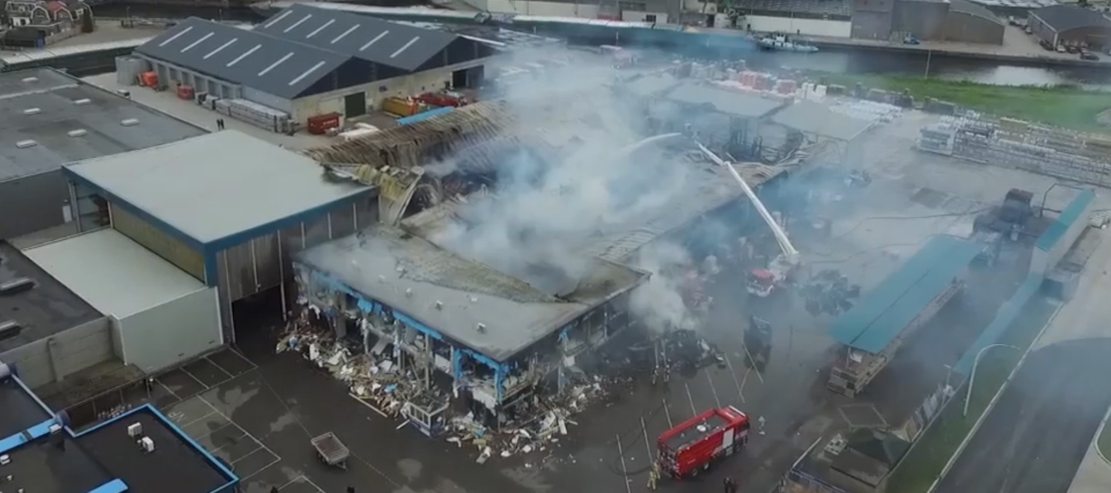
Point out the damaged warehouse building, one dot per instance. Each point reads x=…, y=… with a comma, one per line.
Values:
x=416, y=298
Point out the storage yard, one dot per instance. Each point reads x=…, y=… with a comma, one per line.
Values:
x=595, y=273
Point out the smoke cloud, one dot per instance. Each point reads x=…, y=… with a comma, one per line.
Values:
x=573, y=182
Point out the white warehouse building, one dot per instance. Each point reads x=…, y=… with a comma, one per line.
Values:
x=307, y=61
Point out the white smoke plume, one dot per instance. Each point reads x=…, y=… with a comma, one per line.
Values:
x=573, y=188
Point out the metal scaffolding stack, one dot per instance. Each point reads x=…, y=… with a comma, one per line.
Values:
x=1018, y=144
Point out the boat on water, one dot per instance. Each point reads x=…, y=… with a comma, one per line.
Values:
x=781, y=42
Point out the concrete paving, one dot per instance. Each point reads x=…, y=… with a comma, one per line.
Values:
x=168, y=102
x=1035, y=437
x=1094, y=473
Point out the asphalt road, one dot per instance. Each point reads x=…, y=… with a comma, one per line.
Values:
x=1038, y=432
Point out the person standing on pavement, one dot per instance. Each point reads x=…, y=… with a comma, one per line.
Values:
x=730, y=485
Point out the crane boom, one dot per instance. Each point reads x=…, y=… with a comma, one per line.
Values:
x=790, y=254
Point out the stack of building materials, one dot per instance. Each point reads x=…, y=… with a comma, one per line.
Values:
x=1035, y=148
x=256, y=114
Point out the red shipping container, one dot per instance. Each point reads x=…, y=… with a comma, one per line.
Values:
x=320, y=124
x=149, y=79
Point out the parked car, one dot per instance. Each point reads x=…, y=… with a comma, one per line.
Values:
x=1072, y=49
x=1047, y=45
x=1088, y=55
x=1061, y=49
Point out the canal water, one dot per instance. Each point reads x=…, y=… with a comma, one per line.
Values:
x=830, y=60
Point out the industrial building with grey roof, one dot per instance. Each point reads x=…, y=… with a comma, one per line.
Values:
x=306, y=61
x=47, y=119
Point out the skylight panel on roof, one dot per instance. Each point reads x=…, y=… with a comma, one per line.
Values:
x=345, y=33
x=375, y=40
x=275, y=64
x=405, y=47
x=197, y=42
x=278, y=19
x=220, y=48
x=175, y=36
x=301, y=77
x=244, y=55
x=298, y=23
x=321, y=28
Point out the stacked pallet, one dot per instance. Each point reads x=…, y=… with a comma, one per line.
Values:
x=255, y=114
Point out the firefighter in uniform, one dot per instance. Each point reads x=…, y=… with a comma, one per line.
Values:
x=653, y=476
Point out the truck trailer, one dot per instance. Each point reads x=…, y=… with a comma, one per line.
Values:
x=691, y=446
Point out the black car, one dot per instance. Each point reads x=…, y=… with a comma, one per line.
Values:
x=1088, y=55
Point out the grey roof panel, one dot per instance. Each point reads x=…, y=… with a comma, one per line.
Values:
x=817, y=118
x=729, y=102
x=396, y=45
x=253, y=59
x=1066, y=17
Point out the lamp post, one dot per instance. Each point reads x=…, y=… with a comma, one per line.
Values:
x=975, y=364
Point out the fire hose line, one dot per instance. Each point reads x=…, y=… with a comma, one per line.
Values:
x=897, y=218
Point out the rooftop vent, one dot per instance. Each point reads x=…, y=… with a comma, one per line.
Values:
x=474, y=299
x=409, y=292
x=439, y=305
x=30, y=79
x=23, y=144
x=82, y=101
x=32, y=111
x=130, y=122
x=77, y=133
x=9, y=329
x=18, y=285
x=381, y=278
x=481, y=328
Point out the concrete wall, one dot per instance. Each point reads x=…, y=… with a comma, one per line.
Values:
x=408, y=85
x=960, y=26
x=50, y=359
x=267, y=99
x=924, y=19
x=816, y=27
x=39, y=200
x=172, y=332
x=642, y=16
x=1041, y=30
x=871, y=25
x=154, y=239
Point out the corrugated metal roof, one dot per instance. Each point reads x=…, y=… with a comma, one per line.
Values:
x=396, y=45
x=881, y=315
x=733, y=103
x=260, y=61
x=1068, y=217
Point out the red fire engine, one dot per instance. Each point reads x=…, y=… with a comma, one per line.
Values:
x=693, y=444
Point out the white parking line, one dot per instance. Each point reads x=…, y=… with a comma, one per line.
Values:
x=713, y=389
x=183, y=426
x=624, y=470
x=277, y=458
x=694, y=412
x=667, y=412
x=179, y=399
x=733, y=375
x=195, y=379
x=217, y=365
x=301, y=478
x=752, y=362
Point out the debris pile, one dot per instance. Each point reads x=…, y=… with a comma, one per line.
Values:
x=377, y=376
x=829, y=292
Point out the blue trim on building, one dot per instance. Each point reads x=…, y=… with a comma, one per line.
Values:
x=118, y=201
x=233, y=479
x=423, y=116
x=279, y=224
x=1065, y=220
x=113, y=486
x=29, y=435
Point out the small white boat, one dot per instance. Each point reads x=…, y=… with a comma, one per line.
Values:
x=779, y=42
